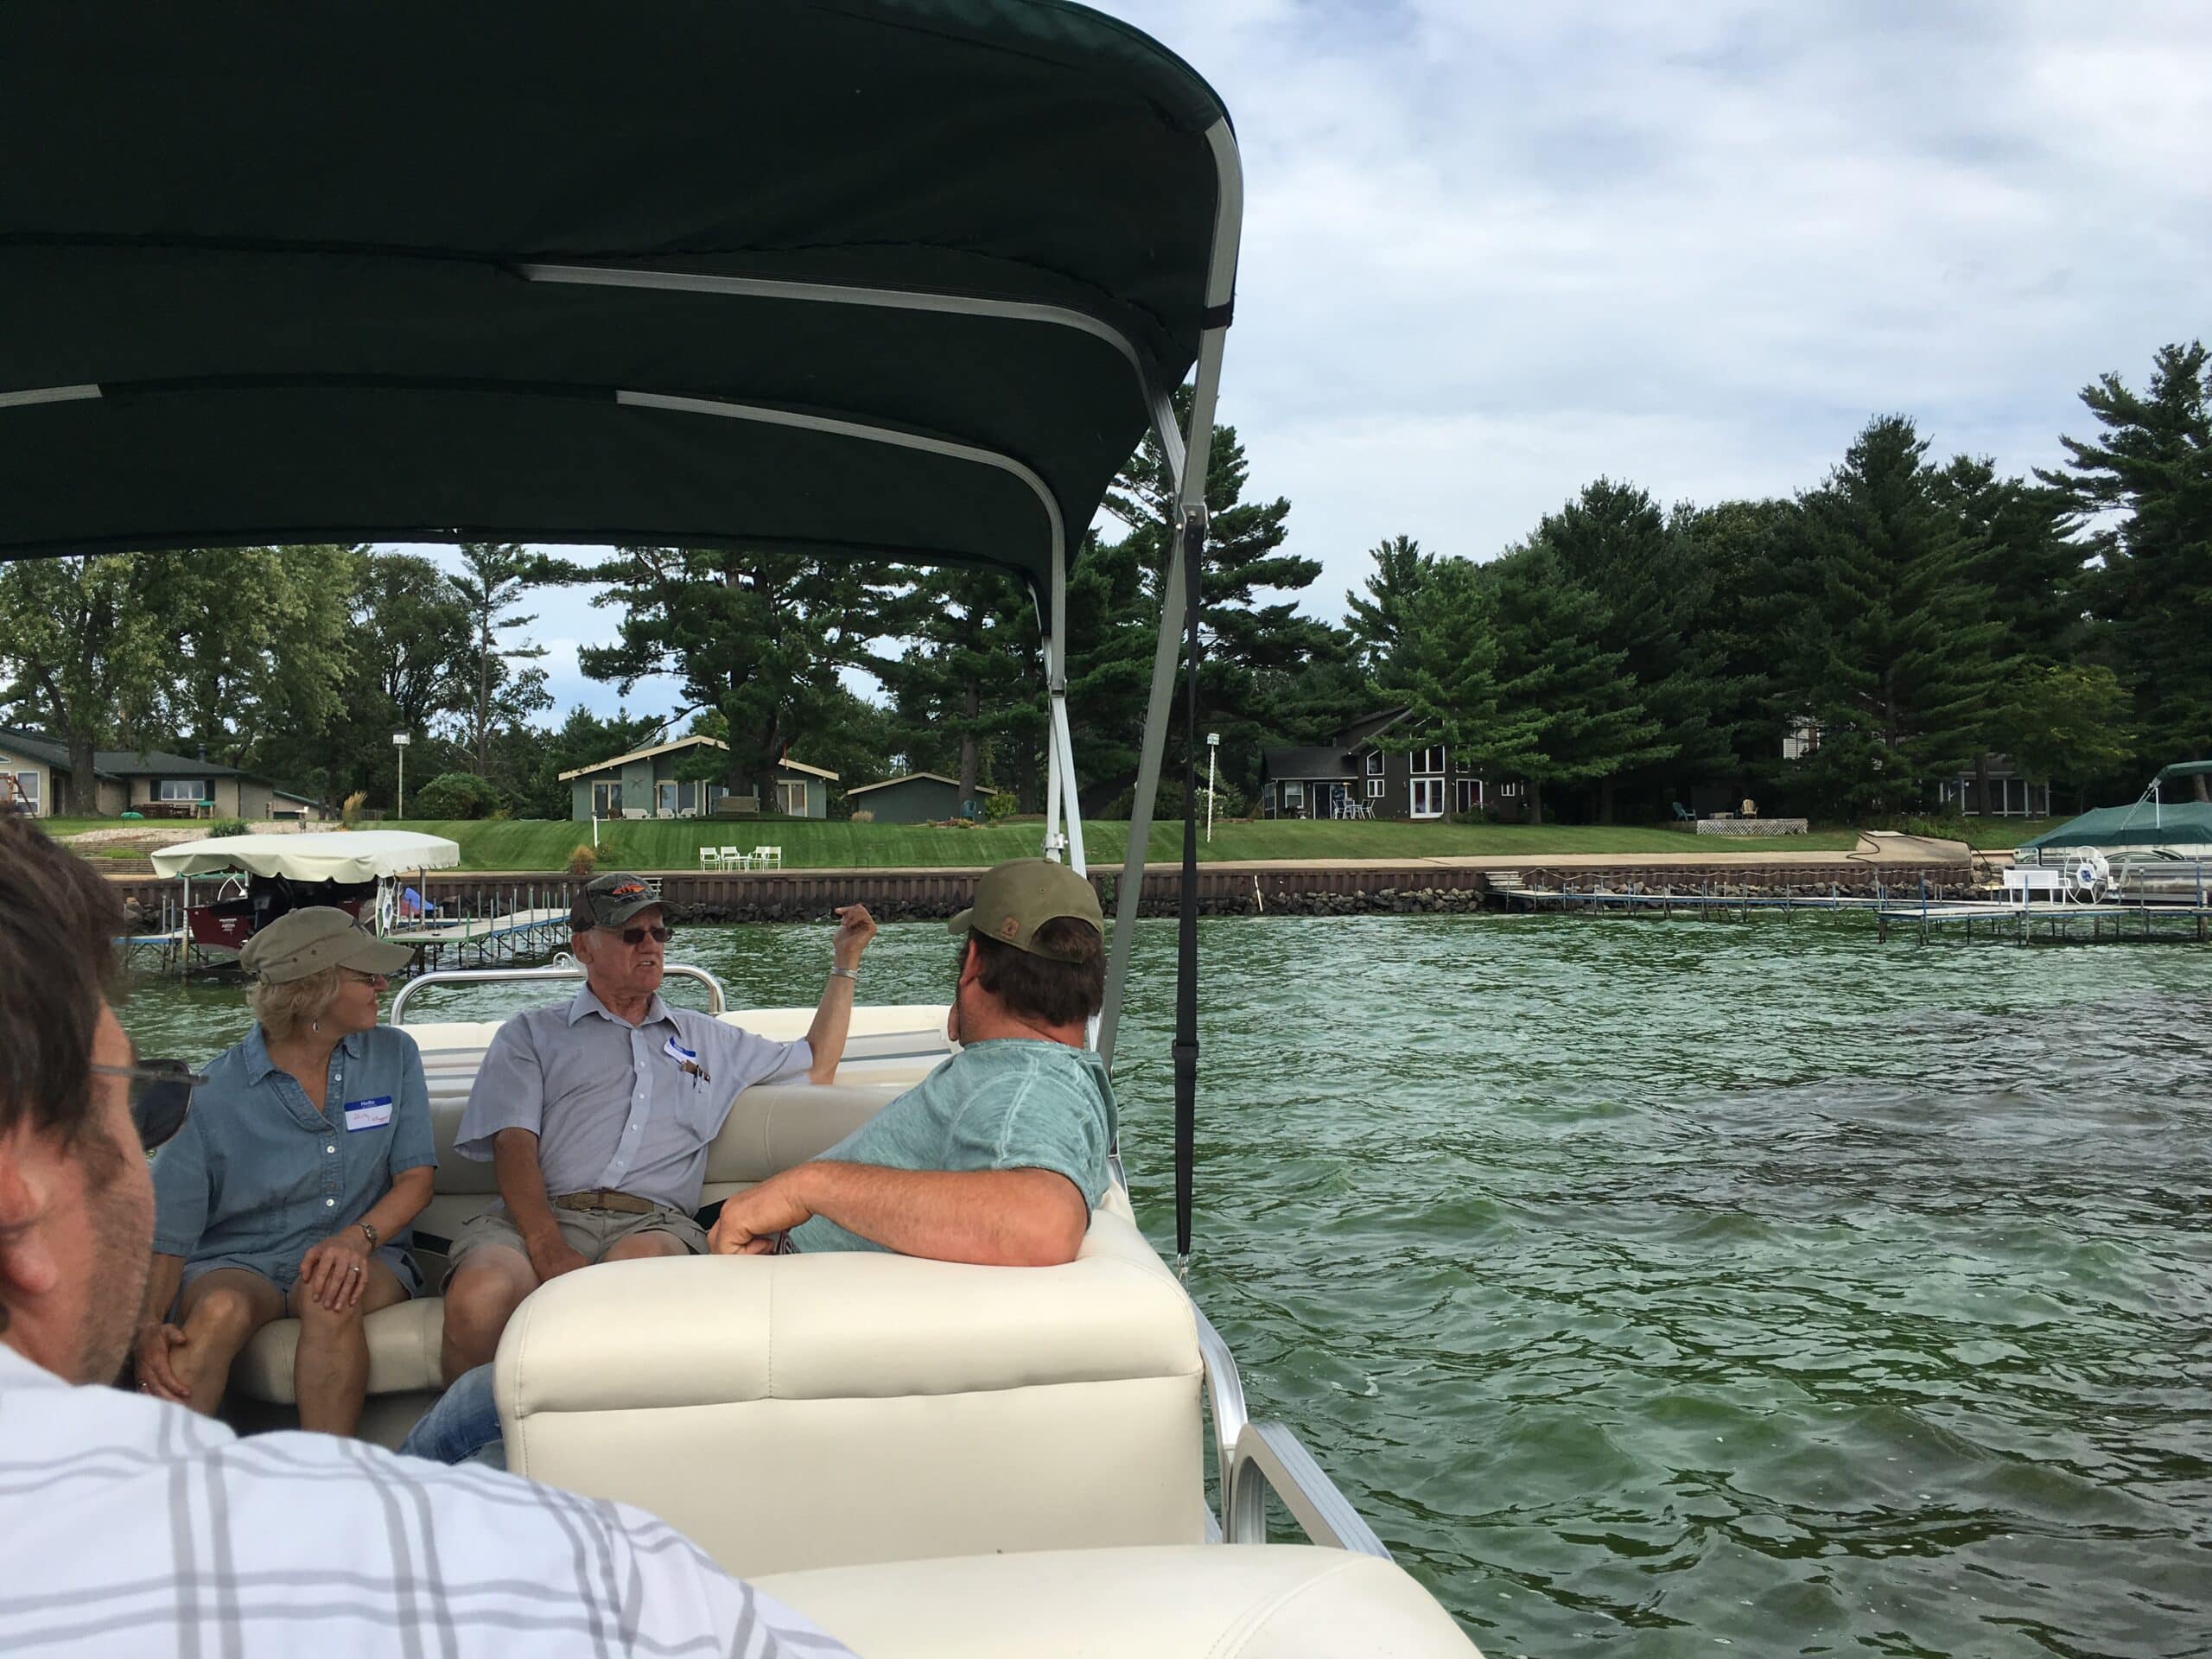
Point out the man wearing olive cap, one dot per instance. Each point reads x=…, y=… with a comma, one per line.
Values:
x=999, y=1154
x=996, y=1157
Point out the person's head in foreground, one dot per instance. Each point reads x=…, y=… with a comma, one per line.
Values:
x=1032, y=956
x=619, y=929
x=317, y=976
x=91, y=1514
x=76, y=1203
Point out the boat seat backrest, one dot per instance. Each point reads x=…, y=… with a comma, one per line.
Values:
x=804, y=1411
x=771, y=1127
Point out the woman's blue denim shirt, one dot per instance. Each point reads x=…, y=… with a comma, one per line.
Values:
x=258, y=1177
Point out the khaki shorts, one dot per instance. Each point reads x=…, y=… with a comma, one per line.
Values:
x=590, y=1233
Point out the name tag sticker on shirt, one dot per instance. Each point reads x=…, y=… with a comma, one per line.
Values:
x=368, y=1114
x=686, y=1059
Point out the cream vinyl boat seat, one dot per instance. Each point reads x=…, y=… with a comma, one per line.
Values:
x=1267, y=1601
x=804, y=1411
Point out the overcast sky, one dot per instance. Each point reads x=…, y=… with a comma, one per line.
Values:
x=1492, y=252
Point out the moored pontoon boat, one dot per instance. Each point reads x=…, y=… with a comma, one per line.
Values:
x=887, y=279
x=2156, y=848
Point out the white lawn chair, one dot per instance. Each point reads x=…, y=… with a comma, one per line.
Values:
x=767, y=858
x=710, y=858
x=734, y=860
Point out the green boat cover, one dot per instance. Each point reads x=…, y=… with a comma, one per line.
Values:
x=2185, y=823
x=269, y=272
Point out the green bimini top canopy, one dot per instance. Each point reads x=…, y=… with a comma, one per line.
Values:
x=896, y=278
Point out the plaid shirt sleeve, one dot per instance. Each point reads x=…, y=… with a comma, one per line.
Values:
x=136, y=1526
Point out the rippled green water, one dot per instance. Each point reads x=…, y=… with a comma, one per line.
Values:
x=1662, y=1287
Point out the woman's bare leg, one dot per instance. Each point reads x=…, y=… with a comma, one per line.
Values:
x=330, y=1373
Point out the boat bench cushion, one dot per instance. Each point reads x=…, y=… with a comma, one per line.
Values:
x=771, y=1128
x=815, y=1410
x=1274, y=1601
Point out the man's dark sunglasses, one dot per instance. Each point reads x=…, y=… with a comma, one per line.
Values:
x=161, y=1093
x=639, y=935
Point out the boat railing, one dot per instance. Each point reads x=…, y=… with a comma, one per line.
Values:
x=1257, y=1458
x=717, y=1001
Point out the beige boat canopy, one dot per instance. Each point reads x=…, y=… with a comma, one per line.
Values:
x=332, y=856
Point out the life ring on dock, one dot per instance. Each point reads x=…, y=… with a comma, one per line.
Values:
x=2088, y=873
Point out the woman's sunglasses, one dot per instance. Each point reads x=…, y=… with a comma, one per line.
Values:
x=161, y=1093
x=637, y=936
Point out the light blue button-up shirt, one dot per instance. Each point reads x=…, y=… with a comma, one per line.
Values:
x=256, y=1177
x=628, y=1107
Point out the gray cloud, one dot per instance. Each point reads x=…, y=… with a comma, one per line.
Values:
x=1493, y=252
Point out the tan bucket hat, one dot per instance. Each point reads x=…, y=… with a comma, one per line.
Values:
x=1016, y=898
x=303, y=941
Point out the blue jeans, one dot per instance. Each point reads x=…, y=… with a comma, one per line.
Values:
x=463, y=1427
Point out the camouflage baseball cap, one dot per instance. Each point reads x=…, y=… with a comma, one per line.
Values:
x=611, y=899
x=303, y=941
x=1016, y=899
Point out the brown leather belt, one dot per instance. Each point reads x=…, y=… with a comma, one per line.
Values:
x=604, y=1199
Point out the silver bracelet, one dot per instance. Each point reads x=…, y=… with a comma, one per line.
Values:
x=845, y=973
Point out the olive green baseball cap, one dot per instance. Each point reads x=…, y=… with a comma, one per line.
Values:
x=611, y=899
x=303, y=941
x=1016, y=898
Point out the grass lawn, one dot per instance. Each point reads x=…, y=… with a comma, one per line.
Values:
x=823, y=844
x=537, y=844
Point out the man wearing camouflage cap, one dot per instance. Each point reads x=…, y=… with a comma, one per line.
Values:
x=597, y=1113
x=998, y=1155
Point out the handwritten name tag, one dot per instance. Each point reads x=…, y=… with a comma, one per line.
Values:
x=368, y=1114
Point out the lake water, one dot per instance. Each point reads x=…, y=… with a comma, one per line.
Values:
x=1662, y=1287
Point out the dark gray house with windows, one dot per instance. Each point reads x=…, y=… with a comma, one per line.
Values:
x=1350, y=777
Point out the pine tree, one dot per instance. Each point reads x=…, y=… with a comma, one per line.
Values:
x=1377, y=621
x=1615, y=541
x=1443, y=666
x=1891, y=649
x=1587, y=721
x=2152, y=467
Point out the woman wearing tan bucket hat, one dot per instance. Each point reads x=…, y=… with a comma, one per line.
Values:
x=291, y=1186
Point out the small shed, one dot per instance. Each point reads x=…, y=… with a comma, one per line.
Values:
x=917, y=797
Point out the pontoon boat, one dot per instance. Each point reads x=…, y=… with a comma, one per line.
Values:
x=903, y=280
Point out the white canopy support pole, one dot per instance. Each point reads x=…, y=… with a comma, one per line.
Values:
x=1063, y=818
x=1069, y=800
x=1054, y=841
x=1186, y=463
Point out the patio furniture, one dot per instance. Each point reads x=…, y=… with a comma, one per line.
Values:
x=1683, y=815
x=710, y=858
x=734, y=860
x=767, y=858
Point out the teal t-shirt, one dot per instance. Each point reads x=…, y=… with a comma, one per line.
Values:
x=1009, y=1103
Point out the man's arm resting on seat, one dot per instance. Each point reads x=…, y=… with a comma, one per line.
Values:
x=522, y=1188
x=993, y=1218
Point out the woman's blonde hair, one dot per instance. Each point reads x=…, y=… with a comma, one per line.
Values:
x=288, y=1009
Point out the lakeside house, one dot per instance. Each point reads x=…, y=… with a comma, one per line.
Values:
x=643, y=784
x=34, y=777
x=918, y=797
x=1351, y=775
x=2012, y=794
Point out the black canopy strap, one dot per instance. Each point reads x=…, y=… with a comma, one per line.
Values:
x=1186, y=957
